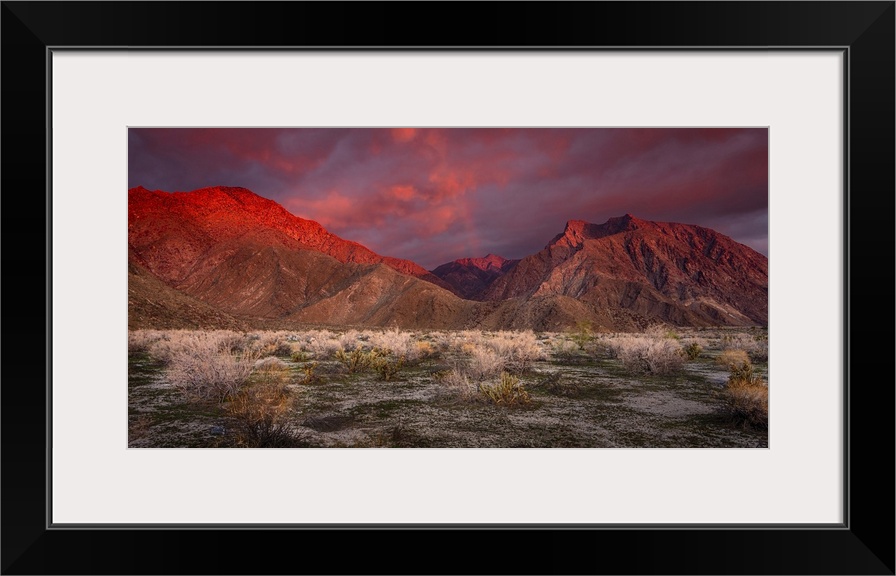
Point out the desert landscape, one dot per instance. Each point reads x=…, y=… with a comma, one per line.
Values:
x=513, y=389
x=252, y=327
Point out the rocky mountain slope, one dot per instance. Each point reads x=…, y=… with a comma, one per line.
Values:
x=225, y=257
x=170, y=230
x=470, y=277
x=681, y=274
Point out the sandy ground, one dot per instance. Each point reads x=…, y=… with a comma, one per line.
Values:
x=592, y=404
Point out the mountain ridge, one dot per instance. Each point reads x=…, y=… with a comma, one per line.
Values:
x=240, y=258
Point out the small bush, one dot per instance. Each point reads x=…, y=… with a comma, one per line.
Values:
x=299, y=356
x=583, y=334
x=746, y=402
x=484, y=363
x=387, y=368
x=525, y=349
x=350, y=340
x=270, y=344
x=458, y=385
x=759, y=353
x=260, y=412
x=506, y=392
x=322, y=344
x=396, y=343
x=732, y=358
x=746, y=396
x=357, y=360
x=642, y=354
x=175, y=342
x=566, y=349
x=693, y=351
x=743, y=375
x=204, y=372
x=739, y=341
x=425, y=350
x=140, y=341
x=309, y=377
x=748, y=406
x=270, y=364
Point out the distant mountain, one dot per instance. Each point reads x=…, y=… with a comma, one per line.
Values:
x=248, y=258
x=225, y=257
x=469, y=277
x=678, y=273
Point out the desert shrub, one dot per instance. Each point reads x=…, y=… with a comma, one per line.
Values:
x=702, y=343
x=270, y=364
x=643, y=354
x=739, y=341
x=693, y=350
x=660, y=331
x=442, y=341
x=743, y=375
x=425, y=350
x=402, y=345
x=358, y=359
x=508, y=391
x=299, y=356
x=517, y=349
x=746, y=393
x=203, y=368
x=747, y=405
x=484, y=363
x=270, y=343
x=526, y=349
x=261, y=412
x=323, y=344
x=582, y=334
x=759, y=353
x=140, y=341
x=350, y=340
x=174, y=341
x=309, y=375
x=732, y=358
x=164, y=348
x=457, y=385
x=387, y=367
x=745, y=399
x=465, y=341
x=565, y=349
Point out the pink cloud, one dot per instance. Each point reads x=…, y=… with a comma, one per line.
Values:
x=428, y=192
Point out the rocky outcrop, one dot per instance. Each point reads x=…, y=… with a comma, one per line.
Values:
x=470, y=277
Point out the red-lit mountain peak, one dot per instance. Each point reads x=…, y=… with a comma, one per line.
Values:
x=217, y=214
x=487, y=262
x=679, y=272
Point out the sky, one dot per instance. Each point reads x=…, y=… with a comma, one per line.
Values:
x=433, y=195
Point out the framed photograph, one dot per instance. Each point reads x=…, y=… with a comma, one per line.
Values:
x=439, y=287
x=113, y=81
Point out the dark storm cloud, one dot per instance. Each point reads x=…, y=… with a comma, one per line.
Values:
x=434, y=195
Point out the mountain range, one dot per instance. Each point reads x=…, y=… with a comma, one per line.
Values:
x=226, y=257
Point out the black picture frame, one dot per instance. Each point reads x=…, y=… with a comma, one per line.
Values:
x=864, y=544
